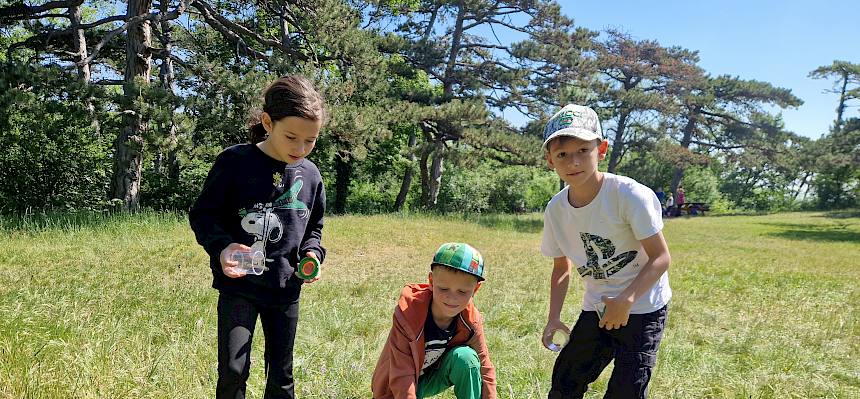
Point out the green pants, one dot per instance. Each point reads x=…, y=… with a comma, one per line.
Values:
x=461, y=368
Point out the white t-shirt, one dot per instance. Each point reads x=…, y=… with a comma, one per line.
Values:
x=602, y=240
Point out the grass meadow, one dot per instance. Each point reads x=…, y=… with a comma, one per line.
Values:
x=120, y=307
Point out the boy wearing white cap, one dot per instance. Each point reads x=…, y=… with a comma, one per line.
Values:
x=609, y=226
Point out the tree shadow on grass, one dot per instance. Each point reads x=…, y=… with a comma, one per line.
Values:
x=840, y=232
x=843, y=214
x=526, y=223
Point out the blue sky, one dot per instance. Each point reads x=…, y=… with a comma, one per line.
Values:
x=778, y=42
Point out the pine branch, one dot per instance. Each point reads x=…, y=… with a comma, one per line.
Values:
x=234, y=32
x=21, y=11
x=48, y=15
x=725, y=116
x=488, y=46
x=102, y=21
x=722, y=147
x=109, y=82
x=154, y=17
x=47, y=35
x=510, y=26
x=229, y=35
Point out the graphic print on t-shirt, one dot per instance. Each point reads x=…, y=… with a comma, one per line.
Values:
x=433, y=350
x=435, y=341
x=602, y=261
x=265, y=225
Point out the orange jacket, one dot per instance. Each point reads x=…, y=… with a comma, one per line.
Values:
x=399, y=364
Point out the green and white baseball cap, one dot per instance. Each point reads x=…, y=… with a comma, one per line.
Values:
x=461, y=256
x=574, y=121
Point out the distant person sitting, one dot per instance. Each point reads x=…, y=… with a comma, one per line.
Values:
x=661, y=195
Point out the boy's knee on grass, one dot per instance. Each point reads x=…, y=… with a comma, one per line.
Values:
x=463, y=357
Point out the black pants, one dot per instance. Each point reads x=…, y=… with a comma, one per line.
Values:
x=591, y=348
x=237, y=317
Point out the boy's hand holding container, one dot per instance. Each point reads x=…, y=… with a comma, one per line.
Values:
x=555, y=335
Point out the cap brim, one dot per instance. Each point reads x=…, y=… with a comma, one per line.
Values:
x=583, y=134
x=480, y=278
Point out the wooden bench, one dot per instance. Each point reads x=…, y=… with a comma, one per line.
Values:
x=691, y=208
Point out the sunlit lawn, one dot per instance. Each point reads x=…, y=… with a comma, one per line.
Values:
x=764, y=306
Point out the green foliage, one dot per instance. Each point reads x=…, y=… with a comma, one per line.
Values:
x=846, y=84
x=54, y=157
x=221, y=108
x=640, y=76
x=450, y=43
x=386, y=71
x=722, y=206
x=163, y=193
x=837, y=183
x=518, y=189
x=763, y=177
x=489, y=187
x=702, y=185
x=366, y=197
x=651, y=163
x=466, y=191
x=837, y=155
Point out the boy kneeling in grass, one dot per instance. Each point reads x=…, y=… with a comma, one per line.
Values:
x=437, y=335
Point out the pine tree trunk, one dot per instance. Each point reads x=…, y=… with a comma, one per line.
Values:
x=285, y=27
x=689, y=128
x=436, y=174
x=435, y=178
x=167, y=76
x=425, y=176
x=841, y=108
x=456, y=37
x=79, y=44
x=342, y=179
x=801, y=185
x=618, y=142
x=128, y=154
x=407, y=174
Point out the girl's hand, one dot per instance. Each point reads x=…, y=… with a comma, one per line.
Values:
x=617, y=313
x=228, y=266
x=319, y=273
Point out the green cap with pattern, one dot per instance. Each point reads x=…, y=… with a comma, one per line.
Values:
x=461, y=256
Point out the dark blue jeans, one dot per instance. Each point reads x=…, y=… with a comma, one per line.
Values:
x=591, y=348
x=237, y=317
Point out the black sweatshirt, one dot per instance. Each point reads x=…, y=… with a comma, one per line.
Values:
x=253, y=199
